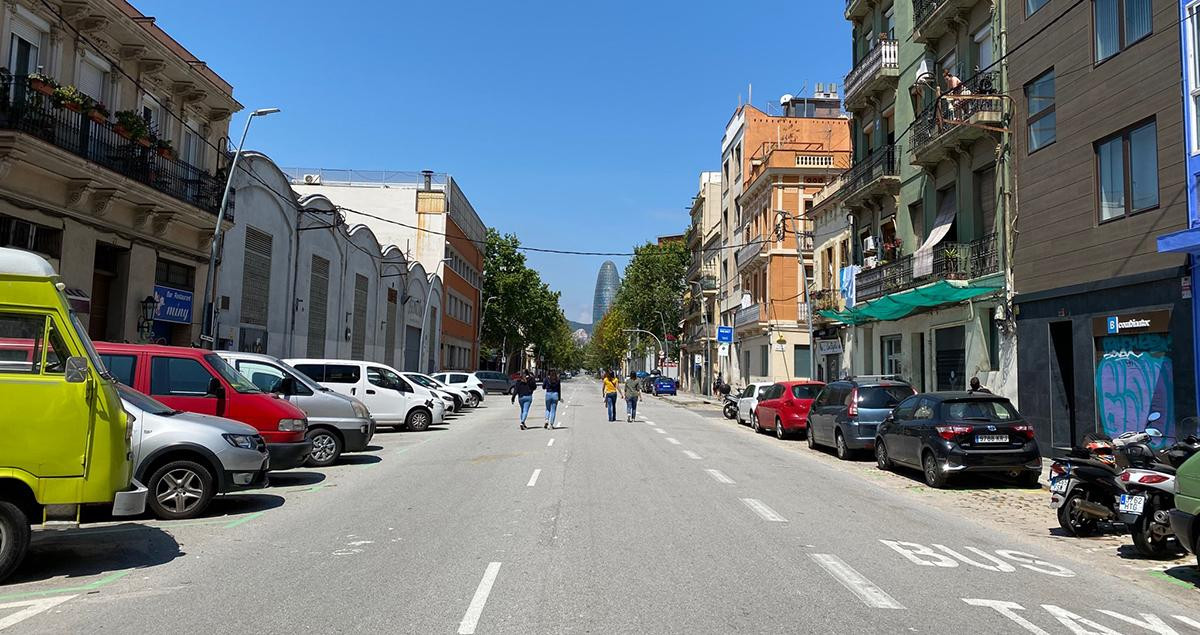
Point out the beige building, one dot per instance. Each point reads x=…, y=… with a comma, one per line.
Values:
x=701, y=306
x=831, y=258
x=123, y=213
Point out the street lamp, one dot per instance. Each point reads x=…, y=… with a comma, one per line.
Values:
x=706, y=374
x=208, y=329
x=146, y=320
x=425, y=312
x=656, y=340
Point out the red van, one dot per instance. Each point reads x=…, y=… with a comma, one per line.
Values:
x=197, y=380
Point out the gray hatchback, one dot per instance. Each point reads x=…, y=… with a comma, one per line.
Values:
x=847, y=413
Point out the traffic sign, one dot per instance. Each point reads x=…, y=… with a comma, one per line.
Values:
x=723, y=349
x=725, y=334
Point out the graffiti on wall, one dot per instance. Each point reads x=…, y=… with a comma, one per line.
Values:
x=1134, y=377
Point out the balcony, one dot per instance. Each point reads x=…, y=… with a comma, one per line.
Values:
x=753, y=315
x=826, y=300
x=699, y=333
x=875, y=176
x=932, y=18
x=879, y=70
x=26, y=111
x=951, y=261
x=957, y=120
x=754, y=248
x=794, y=155
x=856, y=9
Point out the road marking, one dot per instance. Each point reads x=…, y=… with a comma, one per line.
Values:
x=720, y=477
x=29, y=608
x=244, y=519
x=471, y=618
x=91, y=586
x=762, y=510
x=1009, y=610
x=533, y=479
x=866, y=591
x=672, y=440
x=692, y=455
x=660, y=431
x=648, y=422
x=550, y=443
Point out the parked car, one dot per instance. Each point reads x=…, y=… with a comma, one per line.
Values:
x=458, y=397
x=200, y=381
x=847, y=413
x=186, y=459
x=62, y=413
x=1184, y=521
x=336, y=423
x=493, y=380
x=392, y=400
x=467, y=381
x=748, y=400
x=784, y=408
x=947, y=433
x=662, y=385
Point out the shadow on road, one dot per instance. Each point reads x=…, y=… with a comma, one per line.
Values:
x=359, y=459
x=83, y=552
x=234, y=504
x=294, y=478
x=373, y=448
x=1185, y=575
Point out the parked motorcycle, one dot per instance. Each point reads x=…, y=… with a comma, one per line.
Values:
x=1150, y=486
x=731, y=407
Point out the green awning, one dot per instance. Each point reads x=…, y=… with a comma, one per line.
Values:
x=897, y=305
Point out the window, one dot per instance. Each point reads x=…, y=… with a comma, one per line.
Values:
x=57, y=351
x=889, y=354
x=1127, y=172
x=122, y=367
x=806, y=391
x=1192, y=28
x=998, y=411
x=30, y=37
x=1039, y=100
x=925, y=410
x=801, y=361
x=265, y=376
x=1119, y=24
x=173, y=274
x=21, y=342
x=879, y=397
x=764, y=352
x=23, y=234
x=889, y=22
x=341, y=374
x=178, y=376
x=1032, y=6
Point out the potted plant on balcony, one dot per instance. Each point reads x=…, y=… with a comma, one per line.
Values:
x=98, y=112
x=70, y=98
x=950, y=256
x=164, y=149
x=43, y=84
x=891, y=250
x=132, y=126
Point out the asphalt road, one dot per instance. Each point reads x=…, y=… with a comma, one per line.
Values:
x=677, y=523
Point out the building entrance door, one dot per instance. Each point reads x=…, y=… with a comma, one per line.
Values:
x=950, y=358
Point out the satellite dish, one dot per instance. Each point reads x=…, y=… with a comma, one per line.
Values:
x=786, y=99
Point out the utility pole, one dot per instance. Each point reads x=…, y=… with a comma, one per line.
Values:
x=800, y=239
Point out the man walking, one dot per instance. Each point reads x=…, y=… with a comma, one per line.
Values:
x=633, y=389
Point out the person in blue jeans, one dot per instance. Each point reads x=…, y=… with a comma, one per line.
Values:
x=522, y=392
x=633, y=389
x=609, y=390
x=553, y=394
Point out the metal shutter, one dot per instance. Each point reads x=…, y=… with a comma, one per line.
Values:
x=358, y=343
x=256, y=277
x=318, y=307
x=390, y=345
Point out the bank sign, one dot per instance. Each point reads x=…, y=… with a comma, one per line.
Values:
x=172, y=305
x=1132, y=323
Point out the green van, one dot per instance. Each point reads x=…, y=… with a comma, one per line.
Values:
x=66, y=438
x=1187, y=506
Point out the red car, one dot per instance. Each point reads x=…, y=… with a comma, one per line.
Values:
x=784, y=407
x=197, y=380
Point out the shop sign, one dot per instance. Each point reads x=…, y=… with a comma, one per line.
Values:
x=829, y=347
x=1132, y=323
x=172, y=305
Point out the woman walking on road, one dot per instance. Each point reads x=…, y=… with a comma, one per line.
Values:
x=522, y=391
x=553, y=393
x=632, y=388
x=611, y=387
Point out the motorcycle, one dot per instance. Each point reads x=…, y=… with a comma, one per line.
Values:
x=731, y=407
x=1150, y=486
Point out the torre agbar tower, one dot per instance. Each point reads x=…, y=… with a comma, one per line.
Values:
x=607, y=282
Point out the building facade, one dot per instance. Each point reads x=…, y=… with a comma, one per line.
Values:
x=1105, y=321
x=116, y=177
x=700, y=306
x=833, y=341
x=607, y=283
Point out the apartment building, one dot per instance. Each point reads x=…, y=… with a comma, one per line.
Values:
x=926, y=194
x=786, y=159
x=700, y=304
x=1105, y=321
x=833, y=277
x=111, y=162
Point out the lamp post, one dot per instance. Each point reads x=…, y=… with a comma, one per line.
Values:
x=656, y=340
x=483, y=314
x=208, y=337
x=146, y=319
x=425, y=314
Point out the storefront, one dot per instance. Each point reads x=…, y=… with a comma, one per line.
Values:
x=1134, y=373
x=830, y=351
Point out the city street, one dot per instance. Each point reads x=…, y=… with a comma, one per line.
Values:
x=676, y=523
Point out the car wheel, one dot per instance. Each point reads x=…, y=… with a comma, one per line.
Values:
x=14, y=538
x=882, y=460
x=842, y=450
x=472, y=400
x=810, y=437
x=418, y=420
x=180, y=489
x=754, y=422
x=1073, y=521
x=779, y=432
x=934, y=477
x=326, y=447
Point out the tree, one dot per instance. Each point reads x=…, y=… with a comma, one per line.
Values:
x=609, y=341
x=651, y=293
x=522, y=310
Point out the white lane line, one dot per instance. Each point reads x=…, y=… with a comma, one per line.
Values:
x=649, y=423
x=719, y=476
x=533, y=479
x=29, y=608
x=471, y=617
x=762, y=510
x=692, y=455
x=550, y=443
x=672, y=441
x=660, y=431
x=866, y=591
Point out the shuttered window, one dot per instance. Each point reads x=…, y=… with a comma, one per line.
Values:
x=256, y=277
x=985, y=195
x=390, y=346
x=318, y=306
x=358, y=342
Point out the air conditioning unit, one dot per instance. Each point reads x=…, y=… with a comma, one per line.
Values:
x=312, y=179
x=869, y=244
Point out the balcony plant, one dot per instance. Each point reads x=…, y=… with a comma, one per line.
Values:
x=98, y=112
x=133, y=127
x=70, y=98
x=164, y=149
x=950, y=255
x=43, y=84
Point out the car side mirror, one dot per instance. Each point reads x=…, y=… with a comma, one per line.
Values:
x=76, y=370
x=215, y=389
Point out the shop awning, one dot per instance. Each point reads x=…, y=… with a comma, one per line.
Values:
x=897, y=305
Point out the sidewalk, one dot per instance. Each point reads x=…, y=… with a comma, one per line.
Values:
x=689, y=400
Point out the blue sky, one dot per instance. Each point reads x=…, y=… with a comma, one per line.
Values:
x=573, y=125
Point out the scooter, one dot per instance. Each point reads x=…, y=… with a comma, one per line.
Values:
x=1145, y=508
x=731, y=407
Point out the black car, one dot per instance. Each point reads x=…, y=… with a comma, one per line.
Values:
x=946, y=433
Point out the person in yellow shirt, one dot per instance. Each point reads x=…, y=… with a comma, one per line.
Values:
x=611, y=389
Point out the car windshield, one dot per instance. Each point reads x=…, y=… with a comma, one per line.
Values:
x=144, y=403
x=230, y=374
x=882, y=396
x=806, y=391
x=422, y=380
x=992, y=411
x=301, y=377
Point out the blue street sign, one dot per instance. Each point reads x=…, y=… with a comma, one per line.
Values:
x=725, y=334
x=173, y=305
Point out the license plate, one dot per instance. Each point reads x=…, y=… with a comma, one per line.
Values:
x=991, y=438
x=1129, y=504
x=1059, y=485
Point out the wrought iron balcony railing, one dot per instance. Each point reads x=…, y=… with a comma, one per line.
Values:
x=885, y=55
x=951, y=261
x=978, y=95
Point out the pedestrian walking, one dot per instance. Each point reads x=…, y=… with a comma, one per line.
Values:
x=976, y=387
x=522, y=392
x=610, y=389
x=553, y=393
x=632, y=392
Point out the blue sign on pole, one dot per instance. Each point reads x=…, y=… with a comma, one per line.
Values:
x=725, y=334
x=173, y=305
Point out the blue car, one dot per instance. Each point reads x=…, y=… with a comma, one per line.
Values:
x=662, y=386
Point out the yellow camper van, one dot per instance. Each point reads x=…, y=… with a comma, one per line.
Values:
x=64, y=437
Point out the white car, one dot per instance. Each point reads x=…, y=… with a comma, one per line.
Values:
x=748, y=400
x=392, y=400
x=467, y=381
x=462, y=396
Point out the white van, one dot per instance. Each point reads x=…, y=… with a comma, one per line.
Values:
x=392, y=400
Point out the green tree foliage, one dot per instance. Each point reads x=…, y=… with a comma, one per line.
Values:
x=609, y=342
x=652, y=290
x=522, y=311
